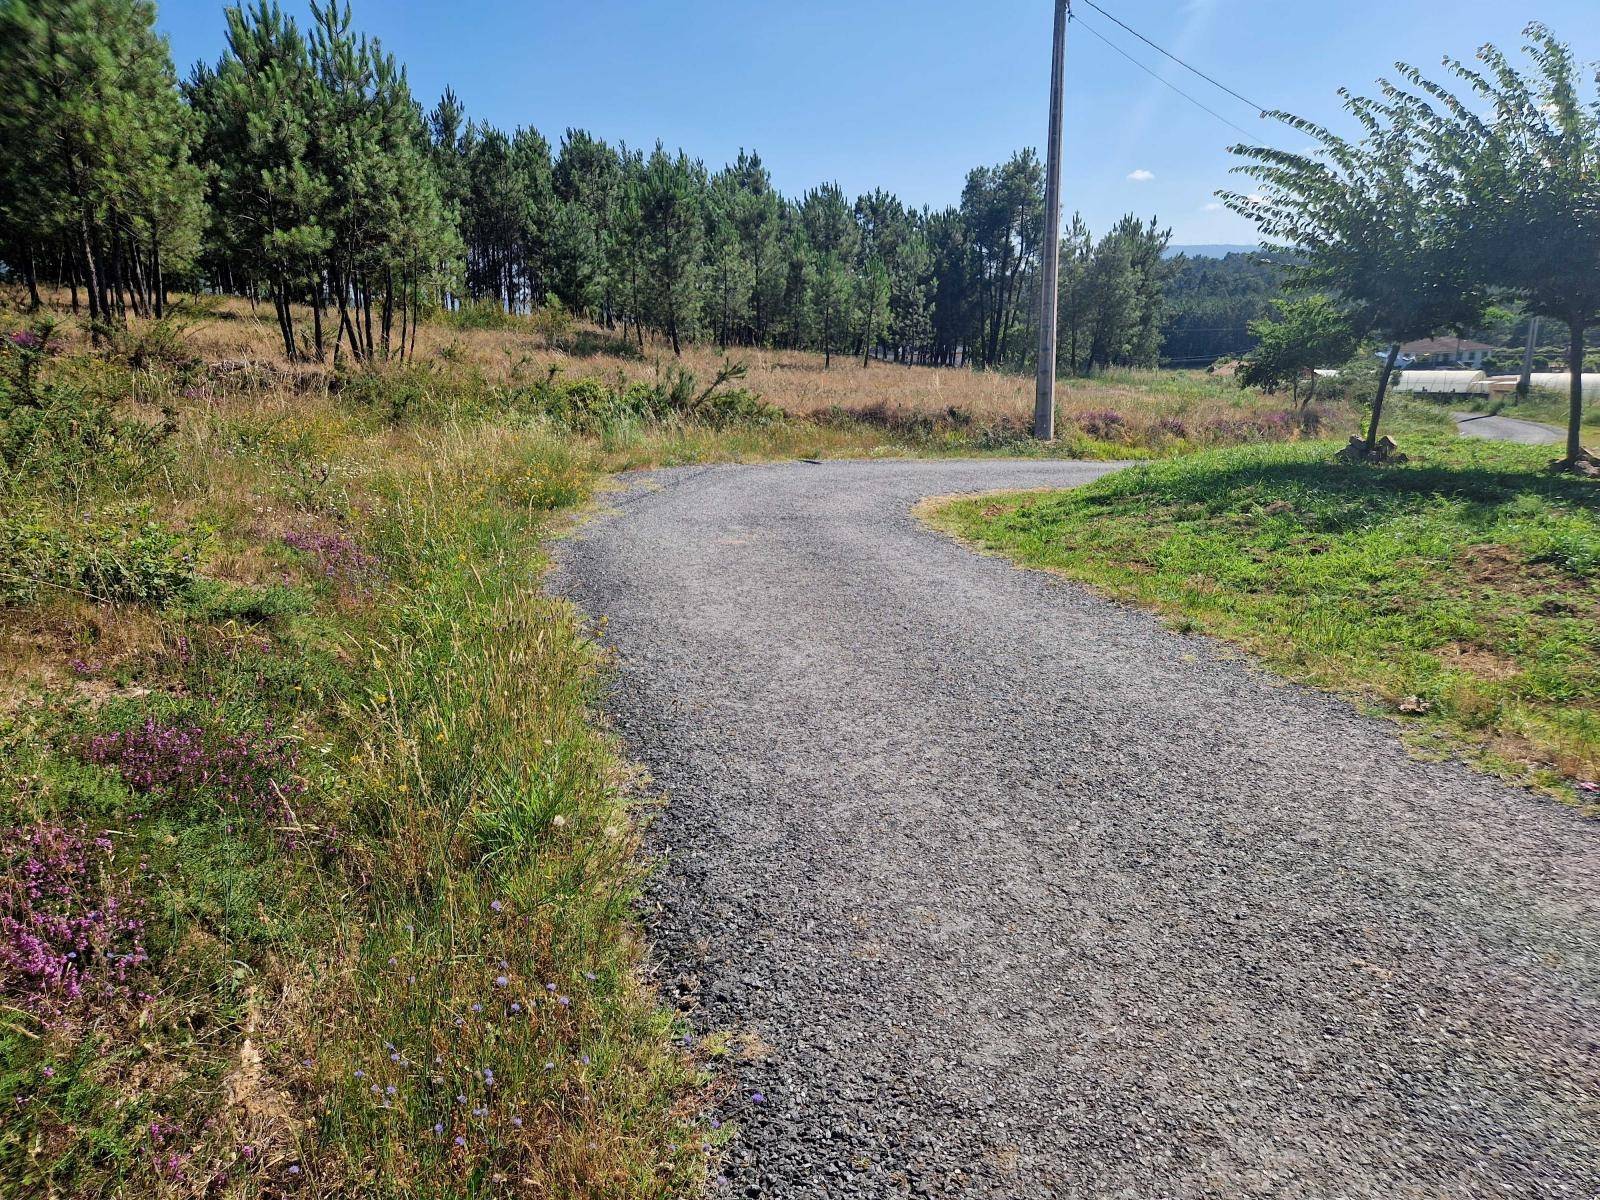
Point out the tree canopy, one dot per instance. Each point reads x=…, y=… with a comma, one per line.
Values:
x=299, y=169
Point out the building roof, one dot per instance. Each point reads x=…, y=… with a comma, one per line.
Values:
x=1444, y=346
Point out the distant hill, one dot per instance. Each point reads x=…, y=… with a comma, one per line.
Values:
x=1215, y=250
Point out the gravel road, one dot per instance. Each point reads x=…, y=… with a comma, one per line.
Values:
x=1509, y=429
x=1009, y=891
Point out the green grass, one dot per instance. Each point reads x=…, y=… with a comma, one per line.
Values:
x=431, y=893
x=1460, y=592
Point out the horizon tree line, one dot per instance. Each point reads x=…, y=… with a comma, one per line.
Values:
x=299, y=169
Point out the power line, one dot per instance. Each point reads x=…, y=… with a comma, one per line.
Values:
x=1260, y=109
x=1158, y=78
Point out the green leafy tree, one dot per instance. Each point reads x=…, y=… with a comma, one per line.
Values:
x=1365, y=222
x=833, y=239
x=95, y=142
x=1303, y=334
x=1520, y=180
x=268, y=200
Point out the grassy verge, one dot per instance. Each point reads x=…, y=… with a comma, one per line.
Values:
x=1460, y=592
x=317, y=869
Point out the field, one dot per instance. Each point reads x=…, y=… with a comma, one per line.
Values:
x=318, y=864
x=1118, y=414
x=1458, y=593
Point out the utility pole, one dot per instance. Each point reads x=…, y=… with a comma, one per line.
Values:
x=1525, y=384
x=1044, y=401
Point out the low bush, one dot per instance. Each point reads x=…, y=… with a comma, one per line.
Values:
x=110, y=555
x=57, y=434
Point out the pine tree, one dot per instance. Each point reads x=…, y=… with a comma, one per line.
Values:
x=96, y=147
x=671, y=205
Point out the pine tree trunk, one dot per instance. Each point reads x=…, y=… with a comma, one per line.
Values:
x=158, y=278
x=91, y=271
x=416, y=317
x=34, y=303
x=280, y=303
x=387, y=321
x=316, y=319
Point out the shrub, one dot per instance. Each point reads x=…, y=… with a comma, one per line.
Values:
x=111, y=556
x=69, y=927
x=586, y=405
x=1105, y=425
x=59, y=436
x=481, y=314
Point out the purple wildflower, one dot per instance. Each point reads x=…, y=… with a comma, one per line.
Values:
x=69, y=926
x=338, y=557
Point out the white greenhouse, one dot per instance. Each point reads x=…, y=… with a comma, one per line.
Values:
x=1442, y=383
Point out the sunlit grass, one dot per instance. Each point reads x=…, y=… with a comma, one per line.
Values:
x=1460, y=592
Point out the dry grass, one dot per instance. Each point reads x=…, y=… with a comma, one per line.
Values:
x=1150, y=411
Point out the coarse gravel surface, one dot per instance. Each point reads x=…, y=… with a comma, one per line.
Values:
x=1006, y=890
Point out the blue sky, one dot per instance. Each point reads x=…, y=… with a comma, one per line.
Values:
x=910, y=94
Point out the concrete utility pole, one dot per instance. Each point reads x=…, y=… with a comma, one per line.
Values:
x=1525, y=384
x=1044, y=401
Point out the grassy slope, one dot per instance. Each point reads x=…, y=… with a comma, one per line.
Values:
x=419, y=876
x=1466, y=583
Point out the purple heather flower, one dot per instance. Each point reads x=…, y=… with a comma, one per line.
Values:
x=549, y=1066
x=757, y=1098
x=501, y=981
x=26, y=339
x=496, y=905
x=460, y=1141
x=388, y=1089
x=476, y=1007
x=563, y=1001
x=517, y=1121
x=515, y=1007
x=438, y=1127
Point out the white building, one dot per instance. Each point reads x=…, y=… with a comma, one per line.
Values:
x=1430, y=353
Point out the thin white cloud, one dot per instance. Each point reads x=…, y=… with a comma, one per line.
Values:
x=1141, y=175
x=1214, y=206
